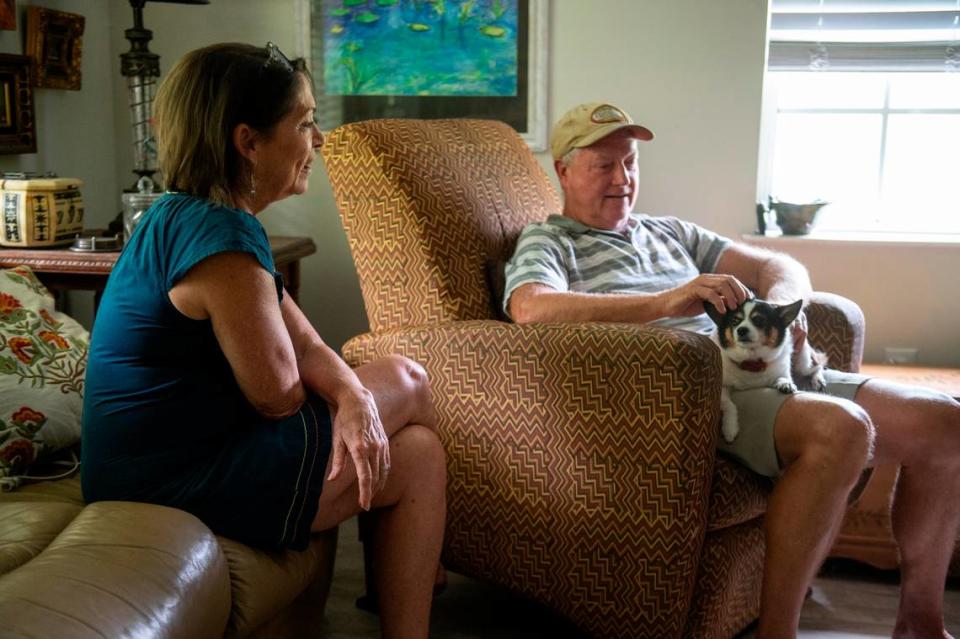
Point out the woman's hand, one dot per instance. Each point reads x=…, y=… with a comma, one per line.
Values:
x=357, y=429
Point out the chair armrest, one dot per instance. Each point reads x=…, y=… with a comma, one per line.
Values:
x=587, y=447
x=121, y=569
x=836, y=326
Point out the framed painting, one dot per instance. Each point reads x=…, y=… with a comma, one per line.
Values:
x=430, y=59
x=55, y=42
x=17, y=133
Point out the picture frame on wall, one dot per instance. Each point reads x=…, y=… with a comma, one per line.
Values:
x=8, y=15
x=17, y=132
x=55, y=42
x=418, y=59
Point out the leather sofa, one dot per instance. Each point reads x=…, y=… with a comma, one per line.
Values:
x=122, y=569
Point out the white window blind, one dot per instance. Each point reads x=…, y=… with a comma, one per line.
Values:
x=864, y=35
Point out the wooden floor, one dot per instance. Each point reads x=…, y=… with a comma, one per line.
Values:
x=848, y=601
x=852, y=601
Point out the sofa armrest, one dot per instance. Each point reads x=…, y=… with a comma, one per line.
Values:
x=577, y=453
x=836, y=326
x=121, y=569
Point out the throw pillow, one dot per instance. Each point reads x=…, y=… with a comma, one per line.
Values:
x=43, y=359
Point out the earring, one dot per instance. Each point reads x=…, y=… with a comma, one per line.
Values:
x=253, y=180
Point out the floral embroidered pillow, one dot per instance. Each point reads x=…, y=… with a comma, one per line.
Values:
x=43, y=360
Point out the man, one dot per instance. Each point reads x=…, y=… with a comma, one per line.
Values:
x=600, y=262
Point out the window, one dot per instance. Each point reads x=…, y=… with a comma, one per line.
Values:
x=871, y=127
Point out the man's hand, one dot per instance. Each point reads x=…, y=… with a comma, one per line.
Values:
x=725, y=292
x=357, y=429
x=799, y=332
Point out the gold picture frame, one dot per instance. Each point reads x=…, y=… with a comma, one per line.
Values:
x=55, y=42
x=17, y=131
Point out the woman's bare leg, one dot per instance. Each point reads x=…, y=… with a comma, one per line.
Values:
x=409, y=532
x=412, y=505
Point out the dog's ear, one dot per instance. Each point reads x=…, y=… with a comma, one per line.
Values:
x=789, y=312
x=714, y=314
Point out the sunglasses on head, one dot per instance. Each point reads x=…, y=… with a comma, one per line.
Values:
x=276, y=56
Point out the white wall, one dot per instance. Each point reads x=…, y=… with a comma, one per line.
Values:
x=908, y=292
x=628, y=53
x=330, y=293
x=75, y=128
x=690, y=69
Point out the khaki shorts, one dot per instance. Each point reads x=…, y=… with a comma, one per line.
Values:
x=758, y=407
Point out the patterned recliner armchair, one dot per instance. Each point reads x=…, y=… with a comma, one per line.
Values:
x=582, y=467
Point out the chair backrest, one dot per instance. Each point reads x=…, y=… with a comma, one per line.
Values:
x=431, y=209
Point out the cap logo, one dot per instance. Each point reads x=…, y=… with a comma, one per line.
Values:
x=605, y=114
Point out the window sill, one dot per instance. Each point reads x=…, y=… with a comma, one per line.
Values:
x=857, y=238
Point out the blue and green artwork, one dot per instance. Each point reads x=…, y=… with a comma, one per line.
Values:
x=420, y=47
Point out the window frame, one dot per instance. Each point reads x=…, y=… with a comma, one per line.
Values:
x=768, y=138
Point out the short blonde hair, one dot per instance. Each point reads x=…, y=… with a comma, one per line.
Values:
x=202, y=100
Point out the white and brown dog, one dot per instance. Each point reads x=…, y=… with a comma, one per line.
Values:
x=756, y=345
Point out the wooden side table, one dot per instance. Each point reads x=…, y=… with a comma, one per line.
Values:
x=866, y=534
x=66, y=270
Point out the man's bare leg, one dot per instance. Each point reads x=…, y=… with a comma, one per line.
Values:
x=824, y=444
x=919, y=429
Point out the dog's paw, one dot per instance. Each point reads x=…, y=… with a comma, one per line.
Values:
x=729, y=426
x=818, y=382
x=730, y=429
x=785, y=385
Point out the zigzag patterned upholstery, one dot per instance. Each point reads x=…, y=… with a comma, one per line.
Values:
x=836, y=328
x=581, y=459
x=427, y=209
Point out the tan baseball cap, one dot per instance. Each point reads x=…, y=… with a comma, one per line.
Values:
x=586, y=123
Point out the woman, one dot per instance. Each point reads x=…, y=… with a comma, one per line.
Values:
x=205, y=393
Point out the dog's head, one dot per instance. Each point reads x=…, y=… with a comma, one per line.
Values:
x=754, y=324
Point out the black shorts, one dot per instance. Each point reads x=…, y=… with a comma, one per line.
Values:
x=262, y=486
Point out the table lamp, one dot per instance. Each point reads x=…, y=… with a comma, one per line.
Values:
x=142, y=68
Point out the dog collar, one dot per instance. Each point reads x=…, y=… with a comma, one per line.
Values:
x=753, y=365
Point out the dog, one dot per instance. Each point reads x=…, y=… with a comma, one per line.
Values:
x=757, y=351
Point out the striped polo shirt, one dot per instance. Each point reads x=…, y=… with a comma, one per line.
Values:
x=653, y=255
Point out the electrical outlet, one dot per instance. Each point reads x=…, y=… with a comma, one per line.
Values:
x=899, y=355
